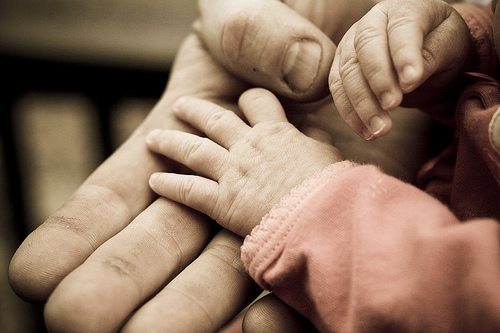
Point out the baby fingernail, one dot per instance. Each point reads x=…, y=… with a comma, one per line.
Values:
x=409, y=75
x=301, y=64
x=387, y=100
x=377, y=125
x=179, y=103
x=151, y=137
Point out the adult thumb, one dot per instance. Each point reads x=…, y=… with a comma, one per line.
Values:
x=269, y=45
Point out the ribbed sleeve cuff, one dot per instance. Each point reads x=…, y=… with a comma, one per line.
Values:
x=265, y=243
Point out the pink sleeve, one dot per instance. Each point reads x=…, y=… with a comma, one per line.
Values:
x=479, y=19
x=355, y=250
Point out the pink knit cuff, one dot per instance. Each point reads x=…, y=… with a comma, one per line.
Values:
x=265, y=243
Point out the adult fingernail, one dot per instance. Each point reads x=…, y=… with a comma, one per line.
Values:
x=301, y=64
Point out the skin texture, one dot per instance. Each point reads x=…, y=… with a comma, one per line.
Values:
x=242, y=170
x=114, y=255
x=421, y=46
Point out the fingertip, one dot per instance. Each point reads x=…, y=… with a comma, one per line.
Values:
x=25, y=281
x=154, y=179
x=180, y=103
x=254, y=93
x=389, y=100
x=153, y=136
x=378, y=126
x=260, y=105
x=408, y=77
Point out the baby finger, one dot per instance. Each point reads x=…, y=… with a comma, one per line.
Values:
x=201, y=155
x=196, y=192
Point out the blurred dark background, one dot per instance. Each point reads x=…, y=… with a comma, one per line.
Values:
x=77, y=77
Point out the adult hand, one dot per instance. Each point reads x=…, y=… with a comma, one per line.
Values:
x=113, y=250
x=272, y=46
x=127, y=259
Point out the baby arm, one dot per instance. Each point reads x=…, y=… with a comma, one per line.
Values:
x=400, y=49
x=242, y=169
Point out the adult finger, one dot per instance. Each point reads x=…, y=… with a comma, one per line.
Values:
x=203, y=297
x=197, y=153
x=280, y=50
x=371, y=39
x=270, y=315
x=103, y=205
x=217, y=123
x=127, y=269
x=260, y=105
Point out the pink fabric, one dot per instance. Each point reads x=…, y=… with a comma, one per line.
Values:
x=356, y=250
x=479, y=19
x=366, y=252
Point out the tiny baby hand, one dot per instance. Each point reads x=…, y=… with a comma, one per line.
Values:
x=242, y=170
x=397, y=47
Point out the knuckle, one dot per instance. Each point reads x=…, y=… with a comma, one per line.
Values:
x=364, y=38
x=399, y=23
x=71, y=223
x=192, y=150
x=120, y=266
x=272, y=128
x=184, y=189
x=428, y=57
x=348, y=67
x=226, y=254
x=236, y=34
x=214, y=119
x=336, y=88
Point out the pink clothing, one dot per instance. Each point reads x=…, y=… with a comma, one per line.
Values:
x=356, y=250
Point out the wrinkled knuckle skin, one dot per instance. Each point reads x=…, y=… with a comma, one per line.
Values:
x=236, y=35
x=347, y=68
x=227, y=254
x=213, y=120
x=271, y=129
x=336, y=88
x=364, y=37
x=429, y=57
x=192, y=151
x=185, y=189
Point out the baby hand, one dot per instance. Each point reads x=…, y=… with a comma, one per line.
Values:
x=242, y=170
x=397, y=47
